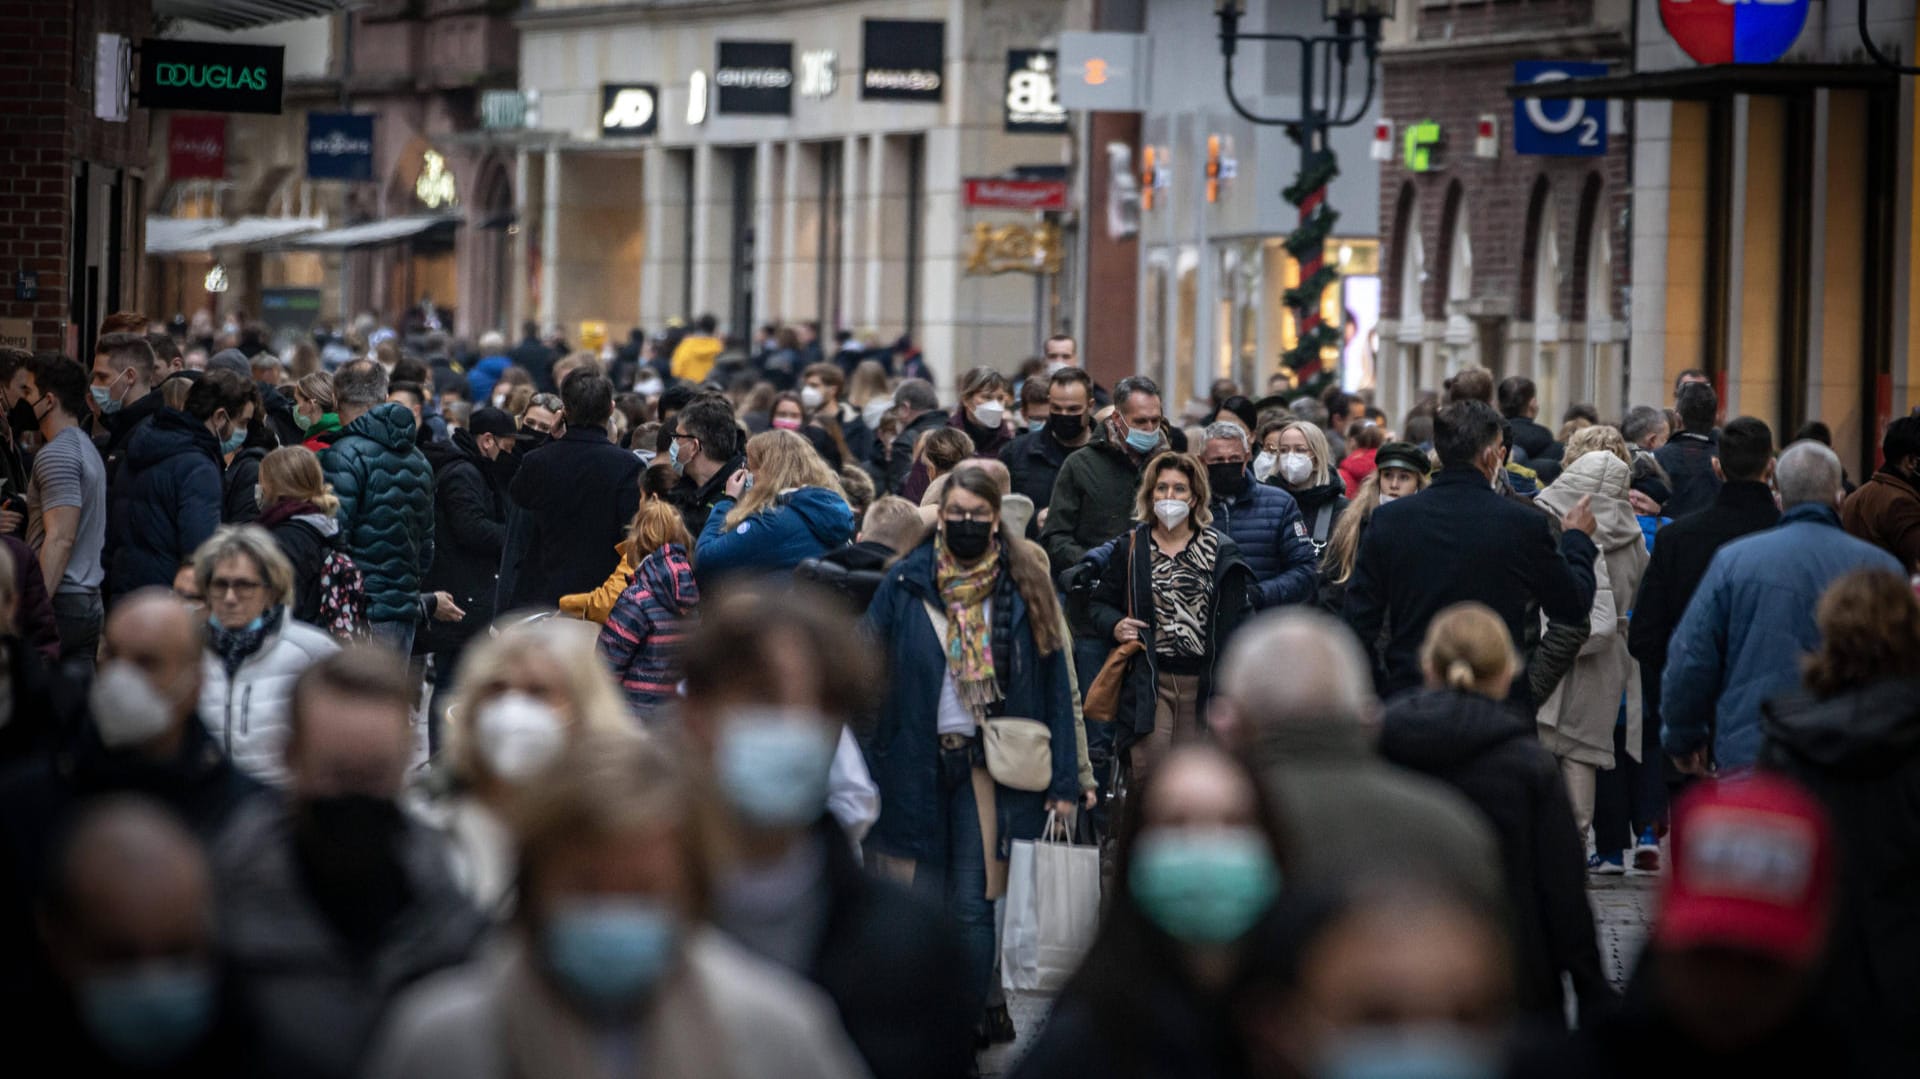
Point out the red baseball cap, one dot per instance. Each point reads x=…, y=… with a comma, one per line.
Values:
x=1752, y=870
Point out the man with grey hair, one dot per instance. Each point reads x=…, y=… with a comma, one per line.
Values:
x=919, y=410
x=1295, y=697
x=1752, y=619
x=1093, y=495
x=385, y=487
x=1645, y=428
x=1262, y=518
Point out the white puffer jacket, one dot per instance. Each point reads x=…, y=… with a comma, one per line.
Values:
x=247, y=714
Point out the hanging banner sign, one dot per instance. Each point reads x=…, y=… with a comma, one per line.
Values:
x=1734, y=31
x=196, y=147
x=903, y=60
x=339, y=146
x=754, y=78
x=1032, y=95
x=991, y=194
x=211, y=76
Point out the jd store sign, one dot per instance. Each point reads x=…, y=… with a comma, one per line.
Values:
x=209, y=76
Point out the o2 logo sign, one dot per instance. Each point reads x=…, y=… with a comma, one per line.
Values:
x=1734, y=31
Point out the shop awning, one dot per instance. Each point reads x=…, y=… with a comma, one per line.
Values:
x=374, y=233
x=1712, y=81
x=240, y=14
x=175, y=235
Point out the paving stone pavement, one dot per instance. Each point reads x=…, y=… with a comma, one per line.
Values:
x=1622, y=912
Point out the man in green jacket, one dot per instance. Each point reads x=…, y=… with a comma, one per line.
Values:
x=1093, y=496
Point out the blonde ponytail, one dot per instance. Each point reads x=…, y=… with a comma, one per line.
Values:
x=1467, y=649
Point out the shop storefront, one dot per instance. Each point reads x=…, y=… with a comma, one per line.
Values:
x=799, y=164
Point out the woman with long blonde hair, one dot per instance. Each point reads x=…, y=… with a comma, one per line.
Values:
x=785, y=507
x=297, y=508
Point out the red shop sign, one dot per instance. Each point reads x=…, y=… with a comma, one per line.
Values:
x=196, y=147
x=988, y=194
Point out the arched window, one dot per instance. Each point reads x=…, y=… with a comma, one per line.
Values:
x=1462, y=342
x=1400, y=374
x=1604, y=382
x=1547, y=368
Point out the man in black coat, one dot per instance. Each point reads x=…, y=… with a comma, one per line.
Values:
x=920, y=412
x=581, y=492
x=470, y=528
x=1688, y=455
x=704, y=443
x=1033, y=460
x=534, y=355
x=1683, y=550
x=1459, y=540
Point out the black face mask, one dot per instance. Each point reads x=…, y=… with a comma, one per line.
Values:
x=968, y=540
x=347, y=849
x=1227, y=479
x=21, y=418
x=529, y=439
x=1065, y=428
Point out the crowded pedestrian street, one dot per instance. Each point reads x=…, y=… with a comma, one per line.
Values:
x=978, y=539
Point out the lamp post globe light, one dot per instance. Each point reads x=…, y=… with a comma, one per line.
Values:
x=1327, y=63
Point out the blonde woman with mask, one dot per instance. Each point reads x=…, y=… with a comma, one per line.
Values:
x=785, y=507
x=522, y=697
x=1294, y=457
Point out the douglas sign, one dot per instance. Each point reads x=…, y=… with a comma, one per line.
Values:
x=207, y=76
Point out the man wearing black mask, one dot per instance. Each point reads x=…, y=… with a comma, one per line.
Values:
x=1033, y=460
x=335, y=900
x=1262, y=518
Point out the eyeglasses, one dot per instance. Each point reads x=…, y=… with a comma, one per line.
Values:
x=978, y=517
x=239, y=586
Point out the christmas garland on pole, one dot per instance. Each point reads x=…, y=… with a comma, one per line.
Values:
x=1307, y=243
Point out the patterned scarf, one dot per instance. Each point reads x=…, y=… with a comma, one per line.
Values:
x=964, y=591
x=233, y=646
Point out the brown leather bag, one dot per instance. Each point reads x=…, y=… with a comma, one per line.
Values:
x=1103, y=696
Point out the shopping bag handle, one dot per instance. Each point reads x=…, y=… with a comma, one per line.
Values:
x=1056, y=826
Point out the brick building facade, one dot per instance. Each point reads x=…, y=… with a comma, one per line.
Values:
x=70, y=184
x=1517, y=263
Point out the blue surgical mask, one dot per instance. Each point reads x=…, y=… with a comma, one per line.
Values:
x=103, y=398
x=148, y=1017
x=609, y=952
x=1142, y=441
x=1036, y=426
x=1427, y=1051
x=1204, y=885
x=234, y=440
x=772, y=765
x=673, y=455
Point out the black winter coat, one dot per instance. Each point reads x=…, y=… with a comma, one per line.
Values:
x=1688, y=459
x=1860, y=753
x=1330, y=496
x=896, y=972
x=1487, y=750
x=1682, y=551
x=305, y=533
x=1033, y=461
x=695, y=501
x=166, y=502
x=277, y=405
x=1459, y=540
x=580, y=492
x=237, y=505
x=1131, y=570
x=470, y=524
x=537, y=358
x=900, y=451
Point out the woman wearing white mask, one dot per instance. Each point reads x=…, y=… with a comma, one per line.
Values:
x=522, y=695
x=255, y=649
x=611, y=965
x=1178, y=588
x=983, y=411
x=1400, y=469
x=1294, y=456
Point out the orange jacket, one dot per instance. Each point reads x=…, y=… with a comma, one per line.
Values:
x=595, y=605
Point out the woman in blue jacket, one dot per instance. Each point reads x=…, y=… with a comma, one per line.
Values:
x=999, y=650
x=785, y=507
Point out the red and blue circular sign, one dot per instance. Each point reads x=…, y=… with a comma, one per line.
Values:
x=1734, y=31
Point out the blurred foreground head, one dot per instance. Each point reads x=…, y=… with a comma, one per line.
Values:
x=149, y=679
x=1292, y=668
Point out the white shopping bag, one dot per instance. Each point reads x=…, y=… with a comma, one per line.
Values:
x=1052, y=909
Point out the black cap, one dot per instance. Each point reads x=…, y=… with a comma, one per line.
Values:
x=491, y=421
x=1403, y=455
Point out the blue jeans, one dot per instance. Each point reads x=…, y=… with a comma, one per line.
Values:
x=395, y=635
x=960, y=885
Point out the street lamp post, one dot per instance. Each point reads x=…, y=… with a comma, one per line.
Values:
x=1326, y=63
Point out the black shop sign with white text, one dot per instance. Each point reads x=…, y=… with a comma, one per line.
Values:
x=754, y=78
x=1032, y=95
x=903, y=60
x=211, y=76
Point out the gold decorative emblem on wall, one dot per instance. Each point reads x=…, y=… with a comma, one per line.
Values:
x=1034, y=249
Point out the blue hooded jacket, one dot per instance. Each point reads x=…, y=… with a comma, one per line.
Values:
x=1747, y=627
x=171, y=500
x=804, y=523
